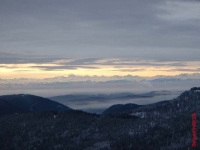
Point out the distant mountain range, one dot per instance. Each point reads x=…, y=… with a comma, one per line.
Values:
x=91, y=79
x=72, y=84
x=23, y=103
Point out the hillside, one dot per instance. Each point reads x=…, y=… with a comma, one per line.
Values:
x=187, y=102
x=160, y=126
x=27, y=103
x=120, y=108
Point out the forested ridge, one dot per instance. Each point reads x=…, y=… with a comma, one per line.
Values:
x=160, y=126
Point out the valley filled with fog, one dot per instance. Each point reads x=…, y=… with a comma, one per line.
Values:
x=99, y=102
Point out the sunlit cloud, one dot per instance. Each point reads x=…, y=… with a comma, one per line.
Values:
x=96, y=66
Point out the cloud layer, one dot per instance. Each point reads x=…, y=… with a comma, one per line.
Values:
x=107, y=37
x=159, y=29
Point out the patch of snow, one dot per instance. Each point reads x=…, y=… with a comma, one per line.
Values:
x=139, y=114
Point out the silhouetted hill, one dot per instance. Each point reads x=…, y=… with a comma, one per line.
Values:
x=120, y=108
x=27, y=103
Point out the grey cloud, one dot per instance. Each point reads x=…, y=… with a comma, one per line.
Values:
x=83, y=61
x=139, y=63
x=13, y=58
x=117, y=62
x=183, y=70
x=50, y=68
x=22, y=70
x=62, y=63
x=106, y=28
x=129, y=70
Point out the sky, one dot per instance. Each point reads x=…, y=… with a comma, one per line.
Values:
x=49, y=38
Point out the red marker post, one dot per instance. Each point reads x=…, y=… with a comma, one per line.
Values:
x=194, y=130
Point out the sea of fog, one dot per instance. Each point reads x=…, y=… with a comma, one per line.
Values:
x=96, y=106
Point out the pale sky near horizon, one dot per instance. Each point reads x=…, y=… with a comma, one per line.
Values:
x=48, y=38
